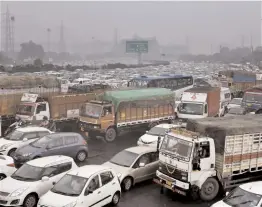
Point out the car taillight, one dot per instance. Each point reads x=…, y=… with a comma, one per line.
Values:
x=11, y=165
x=84, y=142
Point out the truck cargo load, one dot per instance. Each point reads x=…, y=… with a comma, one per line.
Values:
x=117, y=111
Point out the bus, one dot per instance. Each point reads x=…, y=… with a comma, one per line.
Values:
x=177, y=83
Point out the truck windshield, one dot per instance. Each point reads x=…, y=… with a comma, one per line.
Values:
x=178, y=147
x=242, y=198
x=253, y=97
x=25, y=110
x=92, y=110
x=191, y=108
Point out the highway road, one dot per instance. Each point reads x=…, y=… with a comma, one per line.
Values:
x=144, y=194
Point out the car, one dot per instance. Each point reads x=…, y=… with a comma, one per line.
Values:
x=7, y=166
x=150, y=138
x=134, y=165
x=249, y=194
x=64, y=143
x=234, y=103
x=90, y=185
x=20, y=137
x=236, y=112
x=26, y=185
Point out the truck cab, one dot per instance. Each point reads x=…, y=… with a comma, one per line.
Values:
x=96, y=117
x=33, y=108
x=186, y=161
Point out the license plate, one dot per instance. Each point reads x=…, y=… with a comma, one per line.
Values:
x=169, y=183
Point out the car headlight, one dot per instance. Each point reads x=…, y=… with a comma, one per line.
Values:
x=27, y=154
x=18, y=192
x=5, y=146
x=73, y=204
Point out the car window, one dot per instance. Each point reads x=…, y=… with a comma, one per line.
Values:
x=93, y=184
x=51, y=171
x=64, y=167
x=106, y=177
x=70, y=140
x=154, y=156
x=41, y=134
x=55, y=143
x=30, y=135
x=143, y=159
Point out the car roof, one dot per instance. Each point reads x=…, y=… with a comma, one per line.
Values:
x=60, y=134
x=32, y=129
x=141, y=149
x=253, y=187
x=88, y=170
x=50, y=160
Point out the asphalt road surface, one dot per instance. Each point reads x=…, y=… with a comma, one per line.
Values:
x=144, y=194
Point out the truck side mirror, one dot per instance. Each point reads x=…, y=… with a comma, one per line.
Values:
x=205, y=108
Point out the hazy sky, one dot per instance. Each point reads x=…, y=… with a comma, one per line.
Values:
x=204, y=23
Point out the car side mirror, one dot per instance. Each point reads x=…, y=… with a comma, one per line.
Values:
x=141, y=164
x=87, y=192
x=45, y=178
x=25, y=139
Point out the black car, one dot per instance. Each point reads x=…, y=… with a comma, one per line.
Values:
x=66, y=143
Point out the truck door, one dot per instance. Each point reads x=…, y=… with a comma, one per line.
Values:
x=41, y=111
x=107, y=117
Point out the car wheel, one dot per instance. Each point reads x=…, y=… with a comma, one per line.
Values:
x=2, y=176
x=11, y=153
x=127, y=184
x=81, y=156
x=115, y=199
x=30, y=201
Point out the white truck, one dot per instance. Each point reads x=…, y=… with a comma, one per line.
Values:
x=211, y=155
x=202, y=102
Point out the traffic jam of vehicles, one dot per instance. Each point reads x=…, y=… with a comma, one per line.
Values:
x=201, y=139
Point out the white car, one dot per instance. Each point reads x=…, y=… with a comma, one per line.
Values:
x=90, y=185
x=7, y=166
x=20, y=137
x=234, y=103
x=150, y=138
x=247, y=195
x=26, y=185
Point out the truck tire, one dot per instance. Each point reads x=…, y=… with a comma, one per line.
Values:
x=110, y=135
x=209, y=189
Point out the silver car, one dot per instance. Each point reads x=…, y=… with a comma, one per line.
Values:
x=134, y=165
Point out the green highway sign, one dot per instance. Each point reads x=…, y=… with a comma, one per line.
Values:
x=136, y=46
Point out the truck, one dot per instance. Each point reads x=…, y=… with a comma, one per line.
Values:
x=211, y=156
x=119, y=111
x=203, y=101
x=252, y=100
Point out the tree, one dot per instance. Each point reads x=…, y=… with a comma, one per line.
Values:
x=31, y=50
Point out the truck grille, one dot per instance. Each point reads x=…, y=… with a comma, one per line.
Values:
x=170, y=171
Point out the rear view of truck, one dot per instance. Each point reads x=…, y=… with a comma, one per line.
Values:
x=199, y=102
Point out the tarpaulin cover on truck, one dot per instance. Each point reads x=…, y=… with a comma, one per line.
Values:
x=219, y=128
x=140, y=94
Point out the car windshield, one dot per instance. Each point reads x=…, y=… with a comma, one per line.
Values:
x=92, y=110
x=191, y=108
x=70, y=185
x=15, y=136
x=237, y=111
x=157, y=131
x=42, y=142
x=178, y=147
x=241, y=198
x=236, y=101
x=25, y=110
x=124, y=158
x=30, y=173
x=253, y=97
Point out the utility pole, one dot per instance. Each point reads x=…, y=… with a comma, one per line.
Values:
x=62, y=47
x=48, y=39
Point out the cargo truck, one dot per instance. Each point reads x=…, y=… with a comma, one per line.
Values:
x=127, y=110
x=252, y=100
x=201, y=102
x=211, y=155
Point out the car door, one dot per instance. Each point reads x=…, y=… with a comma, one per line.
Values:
x=94, y=197
x=108, y=184
x=153, y=165
x=70, y=142
x=141, y=173
x=55, y=147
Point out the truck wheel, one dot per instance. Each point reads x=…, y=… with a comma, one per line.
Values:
x=209, y=189
x=110, y=135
